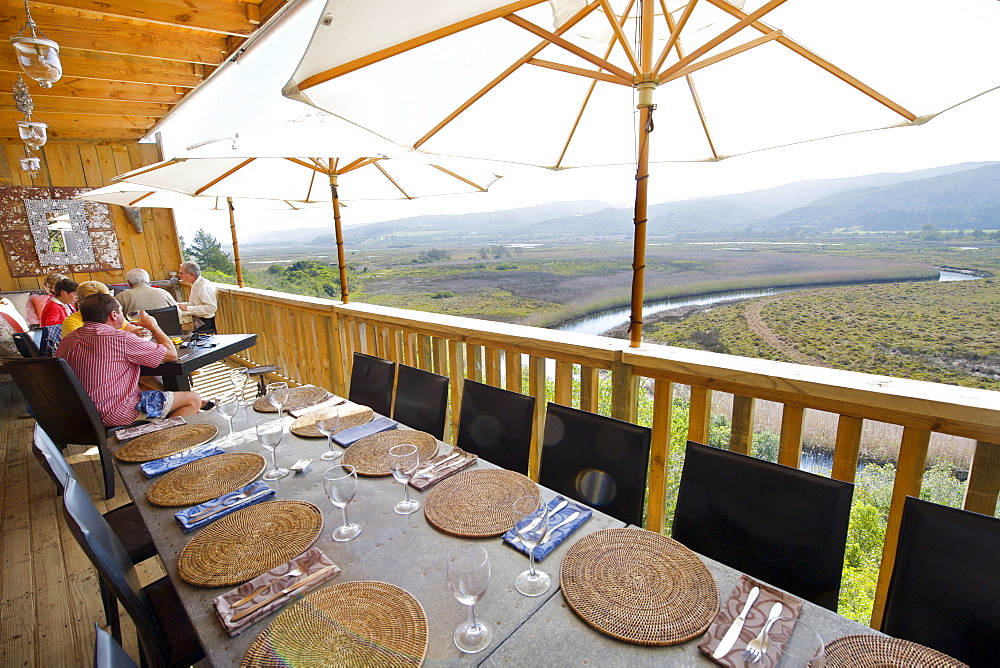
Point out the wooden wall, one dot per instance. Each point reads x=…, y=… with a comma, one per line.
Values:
x=156, y=249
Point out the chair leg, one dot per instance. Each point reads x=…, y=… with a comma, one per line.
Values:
x=109, y=470
x=111, y=611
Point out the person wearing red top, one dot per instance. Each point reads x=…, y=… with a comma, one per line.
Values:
x=62, y=305
x=107, y=362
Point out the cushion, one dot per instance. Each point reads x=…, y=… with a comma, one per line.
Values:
x=10, y=309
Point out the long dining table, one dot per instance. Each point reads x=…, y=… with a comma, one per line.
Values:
x=406, y=551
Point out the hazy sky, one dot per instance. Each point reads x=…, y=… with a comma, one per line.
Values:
x=246, y=95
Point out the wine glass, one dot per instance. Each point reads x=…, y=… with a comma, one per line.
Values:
x=269, y=433
x=227, y=405
x=133, y=316
x=340, y=483
x=403, y=461
x=804, y=647
x=277, y=394
x=240, y=378
x=531, y=519
x=329, y=426
x=468, y=578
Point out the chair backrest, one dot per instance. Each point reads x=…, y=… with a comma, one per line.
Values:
x=114, y=566
x=596, y=459
x=169, y=320
x=60, y=404
x=496, y=425
x=421, y=400
x=51, y=458
x=784, y=526
x=945, y=588
x=26, y=345
x=372, y=380
x=108, y=653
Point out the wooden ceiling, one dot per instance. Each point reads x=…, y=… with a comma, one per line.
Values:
x=126, y=63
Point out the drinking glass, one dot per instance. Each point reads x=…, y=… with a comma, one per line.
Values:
x=329, y=426
x=804, y=647
x=133, y=316
x=240, y=378
x=468, y=579
x=403, y=461
x=340, y=483
x=531, y=519
x=227, y=405
x=277, y=394
x=269, y=433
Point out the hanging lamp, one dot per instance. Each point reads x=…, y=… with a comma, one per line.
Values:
x=37, y=55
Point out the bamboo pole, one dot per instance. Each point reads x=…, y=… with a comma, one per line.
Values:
x=236, y=244
x=344, y=293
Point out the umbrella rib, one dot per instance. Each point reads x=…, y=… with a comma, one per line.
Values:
x=392, y=180
x=820, y=62
x=556, y=40
x=694, y=67
x=695, y=98
x=620, y=35
x=460, y=178
x=583, y=13
x=144, y=170
x=410, y=44
x=223, y=176
x=136, y=201
x=569, y=69
x=675, y=30
x=307, y=165
x=358, y=164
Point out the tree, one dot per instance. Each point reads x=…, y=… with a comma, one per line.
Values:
x=207, y=252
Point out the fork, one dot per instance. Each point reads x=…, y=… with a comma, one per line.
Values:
x=757, y=647
x=295, y=572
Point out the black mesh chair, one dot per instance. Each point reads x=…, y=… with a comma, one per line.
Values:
x=125, y=520
x=496, y=425
x=166, y=637
x=598, y=460
x=372, y=379
x=62, y=408
x=778, y=524
x=26, y=344
x=108, y=653
x=168, y=318
x=945, y=589
x=421, y=400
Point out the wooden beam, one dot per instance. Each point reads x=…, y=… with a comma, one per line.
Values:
x=579, y=71
x=227, y=18
x=790, y=442
x=741, y=431
x=68, y=123
x=659, y=456
x=47, y=106
x=95, y=89
x=122, y=69
x=984, y=479
x=847, y=449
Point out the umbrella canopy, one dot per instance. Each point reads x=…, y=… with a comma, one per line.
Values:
x=565, y=83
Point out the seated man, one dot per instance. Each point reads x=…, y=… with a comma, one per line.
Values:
x=107, y=361
x=202, y=303
x=62, y=305
x=141, y=296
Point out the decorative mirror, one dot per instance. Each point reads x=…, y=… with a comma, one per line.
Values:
x=60, y=231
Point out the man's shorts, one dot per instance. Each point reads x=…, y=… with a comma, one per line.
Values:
x=155, y=404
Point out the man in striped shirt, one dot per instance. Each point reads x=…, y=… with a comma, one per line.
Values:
x=107, y=362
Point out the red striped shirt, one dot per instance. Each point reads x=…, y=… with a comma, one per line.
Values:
x=107, y=361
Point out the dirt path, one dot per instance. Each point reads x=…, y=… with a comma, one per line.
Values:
x=760, y=328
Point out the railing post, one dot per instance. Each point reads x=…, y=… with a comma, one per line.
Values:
x=624, y=392
x=536, y=387
x=790, y=445
x=512, y=362
x=564, y=383
x=589, y=397
x=984, y=479
x=847, y=449
x=741, y=431
x=474, y=362
x=456, y=372
x=699, y=414
x=492, y=362
x=659, y=456
x=441, y=348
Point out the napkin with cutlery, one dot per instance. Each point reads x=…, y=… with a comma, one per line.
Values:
x=131, y=432
x=206, y=513
x=565, y=517
x=437, y=469
x=754, y=624
x=348, y=436
x=248, y=603
x=332, y=400
x=161, y=466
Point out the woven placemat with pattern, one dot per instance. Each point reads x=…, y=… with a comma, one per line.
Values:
x=166, y=442
x=477, y=504
x=870, y=651
x=249, y=542
x=351, y=624
x=639, y=586
x=351, y=415
x=204, y=479
x=370, y=455
x=297, y=397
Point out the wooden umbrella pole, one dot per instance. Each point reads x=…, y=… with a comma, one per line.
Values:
x=344, y=293
x=236, y=244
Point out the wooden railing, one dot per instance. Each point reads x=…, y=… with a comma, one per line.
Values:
x=313, y=341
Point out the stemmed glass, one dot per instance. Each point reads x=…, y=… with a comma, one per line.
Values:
x=468, y=579
x=240, y=378
x=804, y=647
x=531, y=519
x=277, y=394
x=269, y=433
x=227, y=405
x=403, y=461
x=329, y=426
x=340, y=483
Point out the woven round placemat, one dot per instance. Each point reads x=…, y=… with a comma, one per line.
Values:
x=249, y=542
x=204, y=479
x=477, y=504
x=869, y=651
x=297, y=397
x=639, y=586
x=370, y=455
x=351, y=415
x=349, y=624
x=166, y=442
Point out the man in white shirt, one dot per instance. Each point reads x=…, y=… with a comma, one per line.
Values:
x=202, y=302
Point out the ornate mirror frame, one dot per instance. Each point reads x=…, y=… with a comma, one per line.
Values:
x=78, y=247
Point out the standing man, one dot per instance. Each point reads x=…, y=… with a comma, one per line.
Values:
x=107, y=361
x=203, y=302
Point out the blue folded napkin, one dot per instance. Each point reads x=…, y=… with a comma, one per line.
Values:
x=202, y=514
x=560, y=534
x=349, y=436
x=161, y=466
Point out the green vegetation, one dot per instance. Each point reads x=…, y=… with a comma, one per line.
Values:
x=207, y=252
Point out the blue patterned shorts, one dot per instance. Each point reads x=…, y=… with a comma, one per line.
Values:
x=155, y=404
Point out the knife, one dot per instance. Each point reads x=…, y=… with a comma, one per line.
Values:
x=218, y=509
x=534, y=522
x=733, y=633
x=548, y=534
x=287, y=590
x=427, y=471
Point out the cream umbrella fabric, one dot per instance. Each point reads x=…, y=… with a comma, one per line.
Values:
x=567, y=83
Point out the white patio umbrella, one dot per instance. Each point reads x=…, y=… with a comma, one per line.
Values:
x=566, y=83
